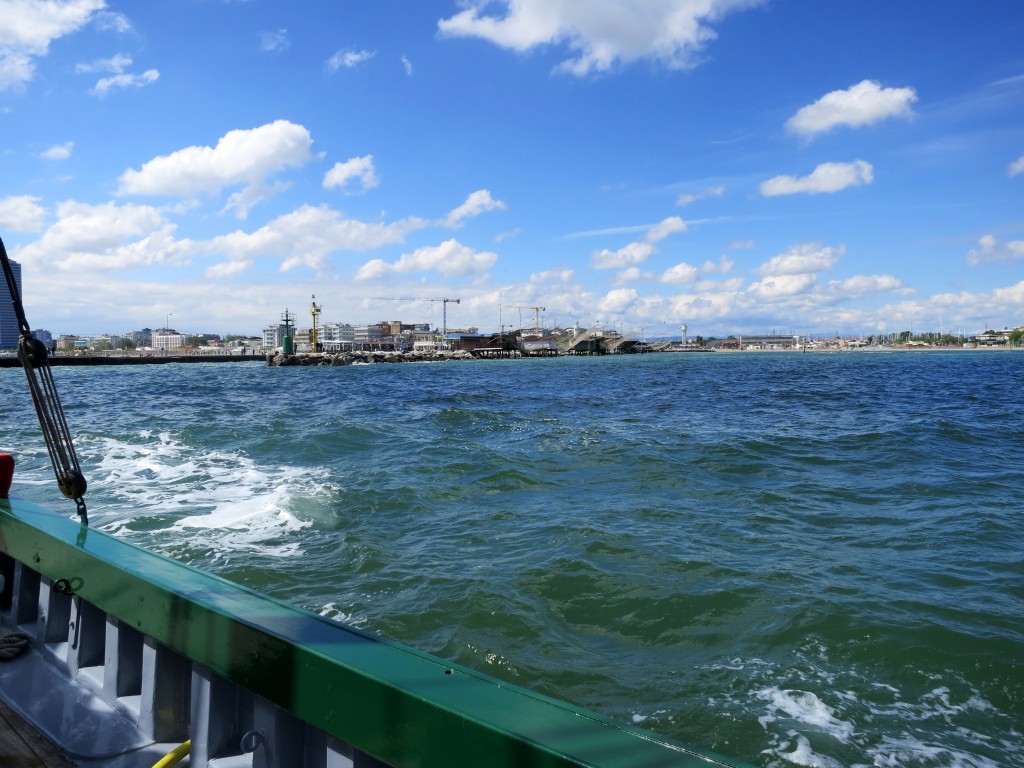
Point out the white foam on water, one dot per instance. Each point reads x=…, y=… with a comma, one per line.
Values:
x=334, y=613
x=850, y=720
x=802, y=754
x=216, y=500
x=806, y=708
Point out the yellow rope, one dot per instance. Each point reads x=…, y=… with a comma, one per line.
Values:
x=174, y=756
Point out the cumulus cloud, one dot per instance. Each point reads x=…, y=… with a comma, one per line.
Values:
x=478, y=202
x=21, y=213
x=451, y=259
x=664, y=228
x=1016, y=167
x=107, y=237
x=630, y=255
x=58, y=151
x=244, y=157
x=775, y=287
x=348, y=59
x=827, y=177
x=861, y=285
x=724, y=265
x=28, y=27
x=862, y=104
x=680, y=273
x=553, y=276
x=989, y=249
x=227, y=269
x=803, y=258
x=359, y=169
x=631, y=275
x=618, y=300
x=600, y=33
x=686, y=199
x=309, y=234
x=636, y=253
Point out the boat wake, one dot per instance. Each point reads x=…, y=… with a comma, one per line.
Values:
x=205, y=503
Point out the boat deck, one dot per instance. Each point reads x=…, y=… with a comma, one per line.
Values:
x=22, y=746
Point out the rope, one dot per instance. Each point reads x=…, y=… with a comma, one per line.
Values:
x=34, y=357
x=11, y=643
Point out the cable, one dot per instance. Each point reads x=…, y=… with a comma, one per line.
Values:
x=174, y=756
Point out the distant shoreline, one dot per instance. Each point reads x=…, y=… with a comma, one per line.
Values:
x=93, y=360
x=55, y=360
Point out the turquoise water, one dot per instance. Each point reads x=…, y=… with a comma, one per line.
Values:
x=804, y=559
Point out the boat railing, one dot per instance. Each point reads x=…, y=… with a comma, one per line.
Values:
x=131, y=653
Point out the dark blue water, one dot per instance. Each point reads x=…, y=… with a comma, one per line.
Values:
x=803, y=559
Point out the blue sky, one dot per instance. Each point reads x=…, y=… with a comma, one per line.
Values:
x=741, y=166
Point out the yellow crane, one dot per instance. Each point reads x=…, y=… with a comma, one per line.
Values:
x=444, y=302
x=536, y=316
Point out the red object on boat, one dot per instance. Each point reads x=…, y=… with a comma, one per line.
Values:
x=6, y=474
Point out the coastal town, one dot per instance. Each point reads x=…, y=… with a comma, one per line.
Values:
x=394, y=340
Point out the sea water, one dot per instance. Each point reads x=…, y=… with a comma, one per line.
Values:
x=792, y=559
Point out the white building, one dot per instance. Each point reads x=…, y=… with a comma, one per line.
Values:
x=166, y=339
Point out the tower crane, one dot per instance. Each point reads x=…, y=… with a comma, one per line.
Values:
x=444, y=303
x=536, y=315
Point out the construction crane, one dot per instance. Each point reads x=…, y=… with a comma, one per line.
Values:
x=536, y=315
x=444, y=302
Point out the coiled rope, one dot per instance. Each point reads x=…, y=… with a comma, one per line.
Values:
x=34, y=357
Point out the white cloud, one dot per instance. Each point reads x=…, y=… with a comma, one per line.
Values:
x=631, y=275
x=861, y=285
x=686, y=199
x=634, y=253
x=20, y=213
x=862, y=104
x=724, y=265
x=989, y=249
x=553, y=276
x=408, y=65
x=275, y=41
x=803, y=258
x=664, y=228
x=308, y=235
x=107, y=237
x=618, y=301
x=777, y=287
x=1016, y=167
x=27, y=27
x=355, y=168
x=601, y=33
x=227, y=268
x=680, y=273
x=478, y=202
x=827, y=177
x=348, y=59
x=58, y=151
x=240, y=157
x=105, y=85
x=451, y=259
x=117, y=64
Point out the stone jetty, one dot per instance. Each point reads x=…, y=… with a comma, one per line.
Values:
x=366, y=357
